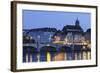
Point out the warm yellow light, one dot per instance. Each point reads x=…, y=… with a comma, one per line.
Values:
x=48, y=57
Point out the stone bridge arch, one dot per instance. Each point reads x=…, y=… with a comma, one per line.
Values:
x=29, y=54
x=47, y=53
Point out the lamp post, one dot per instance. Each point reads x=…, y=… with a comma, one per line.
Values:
x=50, y=39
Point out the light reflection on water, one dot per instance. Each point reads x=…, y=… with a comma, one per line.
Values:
x=29, y=56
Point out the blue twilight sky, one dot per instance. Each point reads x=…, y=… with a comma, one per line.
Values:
x=39, y=19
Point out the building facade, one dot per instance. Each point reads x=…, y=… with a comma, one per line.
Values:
x=50, y=44
x=73, y=33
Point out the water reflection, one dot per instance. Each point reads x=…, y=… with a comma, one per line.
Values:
x=30, y=55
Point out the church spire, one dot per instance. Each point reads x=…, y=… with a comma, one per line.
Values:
x=77, y=23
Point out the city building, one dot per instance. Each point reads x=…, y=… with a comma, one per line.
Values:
x=50, y=44
x=73, y=33
x=88, y=37
x=42, y=35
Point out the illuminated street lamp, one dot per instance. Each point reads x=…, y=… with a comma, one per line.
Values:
x=38, y=40
x=50, y=38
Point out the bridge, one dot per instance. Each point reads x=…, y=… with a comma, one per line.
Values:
x=33, y=52
x=38, y=46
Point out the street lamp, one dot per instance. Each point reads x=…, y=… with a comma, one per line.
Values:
x=49, y=38
x=30, y=38
x=38, y=36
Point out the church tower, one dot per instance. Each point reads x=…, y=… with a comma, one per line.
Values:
x=77, y=23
